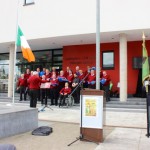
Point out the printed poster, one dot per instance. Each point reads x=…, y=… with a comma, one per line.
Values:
x=90, y=109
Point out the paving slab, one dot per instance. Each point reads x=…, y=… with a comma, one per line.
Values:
x=125, y=139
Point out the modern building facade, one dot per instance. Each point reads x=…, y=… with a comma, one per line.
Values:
x=63, y=33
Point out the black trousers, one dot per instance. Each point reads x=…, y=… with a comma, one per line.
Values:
x=42, y=95
x=91, y=86
x=54, y=95
x=62, y=99
x=33, y=97
x=107, y=92
x=76, y=94
x=22, y=92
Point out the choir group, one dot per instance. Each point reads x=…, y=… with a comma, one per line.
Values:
x=41, y=85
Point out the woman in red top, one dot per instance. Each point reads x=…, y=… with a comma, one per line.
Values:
x=66, y=73
x=106, y=85
x=70, y=78
x=47, y=75
x=22, y=82
x=92, y=80
x=54, y=90
x=61, y=79
x=64, y=92
x=26, y=77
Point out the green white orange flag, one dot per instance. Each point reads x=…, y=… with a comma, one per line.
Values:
x=145, y=63
x=26, y=50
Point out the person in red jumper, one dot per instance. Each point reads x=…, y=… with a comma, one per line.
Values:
x=27, y=74
x=62, y=79
x=105, y=80
x=22, y=86
x=26, y=77
x=64, y=92
x=47, y=74
x=34, y=85
x=70, y=78
x=53, y=71
x=86, y=74
x=54, y=89
x=43, y=90
x=66, y=73
x=92, y=80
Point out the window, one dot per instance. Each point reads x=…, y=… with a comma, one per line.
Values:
x=108, y=60
x=27, y=2
x=137, y=62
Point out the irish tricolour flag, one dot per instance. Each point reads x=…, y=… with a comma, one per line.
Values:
x=26, y=50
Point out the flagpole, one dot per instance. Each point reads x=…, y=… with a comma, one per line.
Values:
x=15, y=53
x=97, y=44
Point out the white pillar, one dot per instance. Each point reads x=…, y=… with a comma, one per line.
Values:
x=97, y=44
x=123, y=67
x=11, y=70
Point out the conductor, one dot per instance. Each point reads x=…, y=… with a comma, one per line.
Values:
x=34, y=86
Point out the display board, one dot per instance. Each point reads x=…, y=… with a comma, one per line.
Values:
x=92, y=111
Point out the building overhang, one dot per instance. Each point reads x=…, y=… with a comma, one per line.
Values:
x=80, y=39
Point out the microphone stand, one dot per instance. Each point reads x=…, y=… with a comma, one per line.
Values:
x=79, y=84
x=46, y=97
x=81, y=137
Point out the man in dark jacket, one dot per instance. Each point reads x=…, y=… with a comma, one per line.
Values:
x=76, y=93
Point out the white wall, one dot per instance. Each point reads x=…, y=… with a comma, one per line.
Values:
x=50, y=18
x=119, y=15
x=59, y=17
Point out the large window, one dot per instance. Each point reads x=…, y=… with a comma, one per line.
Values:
x=44, y=58
x=108, y=60
x=27, y=2
x=4, y=68
x=137, y=62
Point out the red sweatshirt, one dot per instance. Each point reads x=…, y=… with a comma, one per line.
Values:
x=34, y=82
x=48, y=76
x=65, y=90
x=54, y=83
x=91, y=78
x=26, y=76
x=21, y=82
x=70, y=78
x=81, y=76
x=107, y=80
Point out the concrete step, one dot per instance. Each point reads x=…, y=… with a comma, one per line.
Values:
x=135, y=103
x=128, y=102
x=134, y=99
x=108, y=105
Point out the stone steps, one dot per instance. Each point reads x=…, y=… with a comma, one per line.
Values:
x=125, y=106
x=133, y=103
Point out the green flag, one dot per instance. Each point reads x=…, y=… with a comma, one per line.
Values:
x=145, y=63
